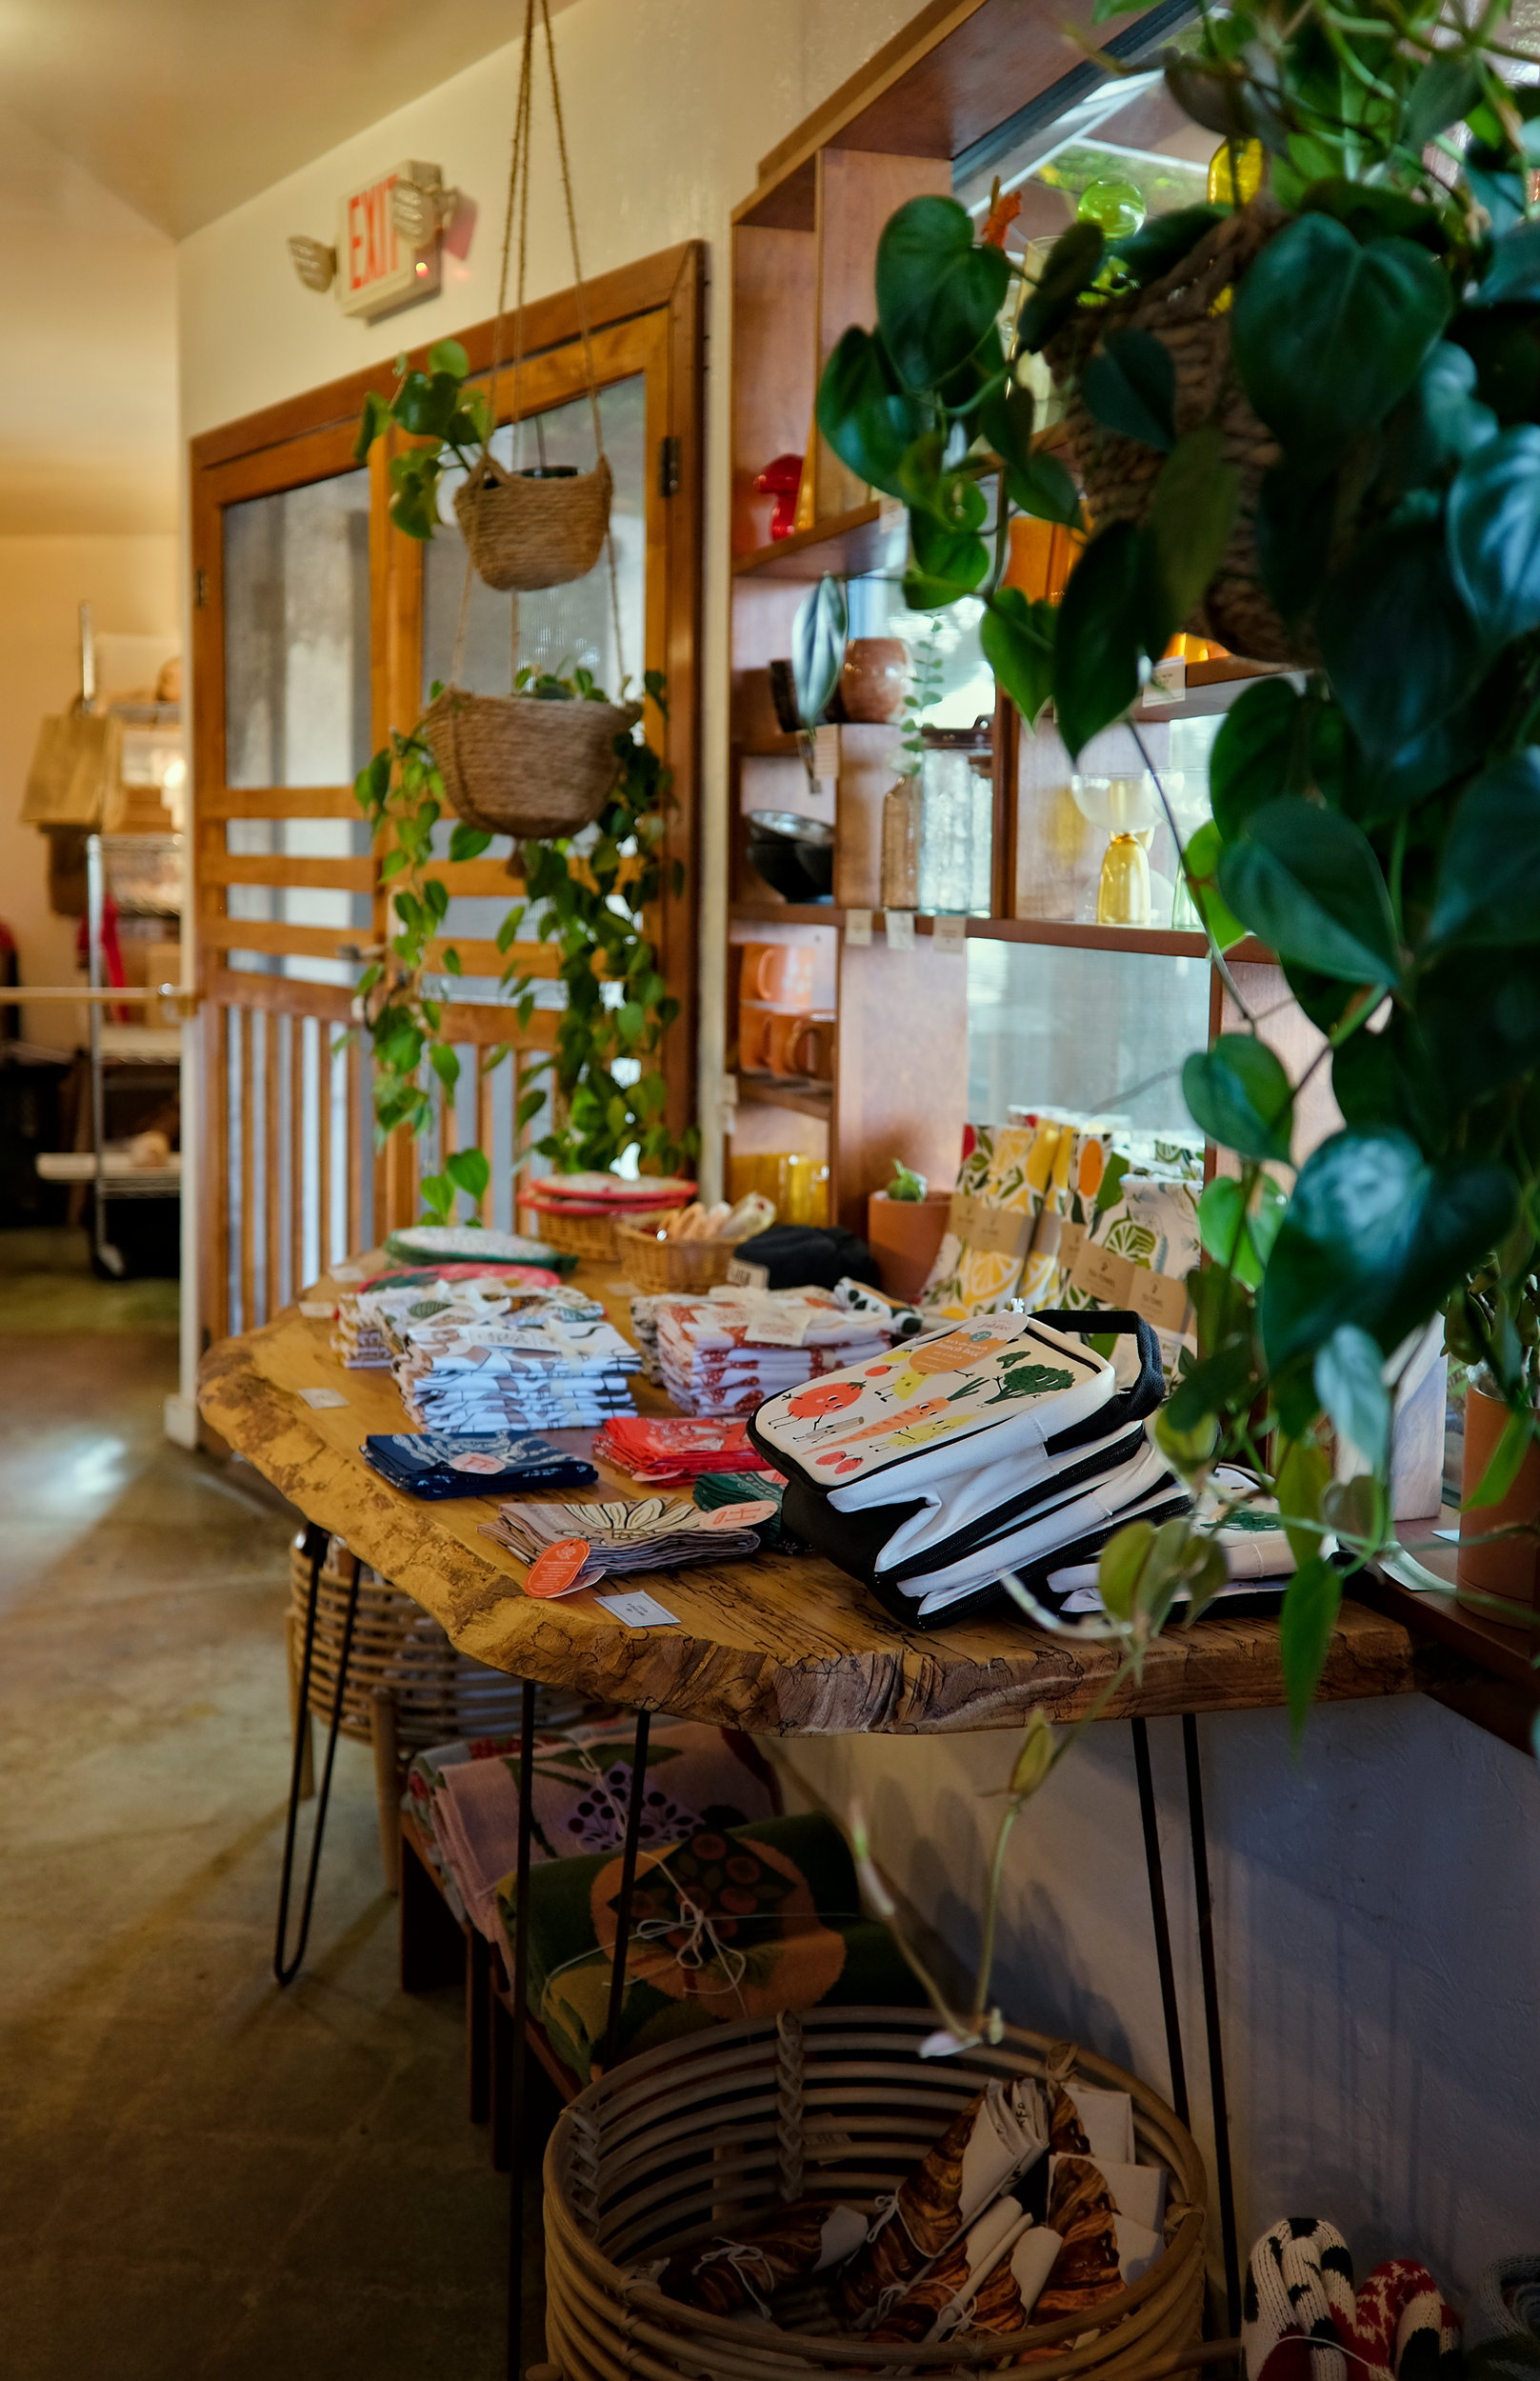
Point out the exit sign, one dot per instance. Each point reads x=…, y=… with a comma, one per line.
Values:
x=377, y=269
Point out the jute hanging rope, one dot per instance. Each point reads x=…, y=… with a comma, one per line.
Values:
x=518, y=763
x=529, y=529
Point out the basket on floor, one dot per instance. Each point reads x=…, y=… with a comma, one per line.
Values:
x=677, y=2143
x=439, y=1694
x=1189, y=310
x=595, y=1237
x=655, y=1265
x=526, y=531
x=516, y=765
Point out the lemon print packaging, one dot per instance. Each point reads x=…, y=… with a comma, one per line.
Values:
x=999, y=1226
x=1079, y=1160
x=943, y=1285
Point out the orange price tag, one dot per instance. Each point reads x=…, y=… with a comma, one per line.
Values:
x=745, y=1516
x=555, y=1570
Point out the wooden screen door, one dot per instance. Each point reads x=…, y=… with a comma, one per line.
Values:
x=317, y=627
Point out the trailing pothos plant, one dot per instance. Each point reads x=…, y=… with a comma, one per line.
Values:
x=589, y=894
x=1373, y=443
x=433, y=406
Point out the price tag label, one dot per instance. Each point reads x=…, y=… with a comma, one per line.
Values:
x=1001, y=1232
x=1159, y=1297
x=317, y=1310
x=1071, y=1240
x=322, y=1399
x=951, y=934
x=1102, y=1275
x=858, y=929
x=639, y=1610
x=743, y=1273
x=347, y=1273
x=899, y=927
x=726, y=1094
x=892, y=513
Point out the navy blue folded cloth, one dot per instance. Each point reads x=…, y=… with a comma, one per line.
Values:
x=441, y=1462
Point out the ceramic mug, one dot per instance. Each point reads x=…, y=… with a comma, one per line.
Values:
x=801, y=1044
x=753, y=1031
x=779, y=972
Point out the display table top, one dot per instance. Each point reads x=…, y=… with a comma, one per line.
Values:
x=777, y=1644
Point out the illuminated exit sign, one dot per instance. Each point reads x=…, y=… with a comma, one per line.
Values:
x=377, y=269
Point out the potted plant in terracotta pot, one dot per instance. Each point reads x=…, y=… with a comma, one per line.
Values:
x=905, y=1226
x=1309, y=425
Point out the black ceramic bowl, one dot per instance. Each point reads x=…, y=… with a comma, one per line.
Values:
x=791, y=853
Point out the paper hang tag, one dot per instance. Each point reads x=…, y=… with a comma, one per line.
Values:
x=778, y=1326
x=1071, y=1240
x=826, y=754
x=858, y=929
x=347, y=1273
x=639, y=1610
x=899, y=927
x=1102, y=1275
x=950, y=933
x=743, y=1273
x=1160, y=1298
x=892, y=513
x=321, y=1400
x=317, y=1310
x=1001, y=1232
x=1048, y=1236
x=726, y=1094
x=961, y=1211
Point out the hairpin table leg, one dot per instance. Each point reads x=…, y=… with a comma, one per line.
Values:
x=519, y=2047
x=627, y=1886
x=1224, y=2172
x=1158, y=1914
x=284, y=1967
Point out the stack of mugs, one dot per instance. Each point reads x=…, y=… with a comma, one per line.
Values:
x=780, y=1032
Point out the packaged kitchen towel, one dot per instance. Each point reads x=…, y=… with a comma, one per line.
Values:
x=1002, y=1444
x=428, y=1463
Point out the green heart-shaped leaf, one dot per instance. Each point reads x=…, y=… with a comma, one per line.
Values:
x=1072, y=265
x=1377, y=1236
x=1190, y=515
x=1258, y=754
x=1131, y=387
x=1238, y=1094
x=1495, y=534
x=1512, y=278
x=1017, y=637
x=1097, y=648
x=1487, y=892
x=1396, y=595
x=938, y=291
x=1350, y=1385
x=868, y=420
x=1307, y=881
x=1328, y=334
x=1310, y=1605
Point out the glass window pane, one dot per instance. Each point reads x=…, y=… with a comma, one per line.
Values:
x=296, y=635
x=559, y=629
x=1103, y=1032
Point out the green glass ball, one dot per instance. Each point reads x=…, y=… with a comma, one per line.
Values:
x=1114, y=204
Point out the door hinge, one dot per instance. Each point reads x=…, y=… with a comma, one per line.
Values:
x=200, y=591
x=671, y=469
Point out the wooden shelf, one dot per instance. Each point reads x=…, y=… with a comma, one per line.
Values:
x=808, y=1099
x=1064, y=934
x=1476, y=1667
x=846, y=546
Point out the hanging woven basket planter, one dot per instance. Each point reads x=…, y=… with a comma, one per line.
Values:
x=526, y=530
x=517, y=765
x=1189, y=310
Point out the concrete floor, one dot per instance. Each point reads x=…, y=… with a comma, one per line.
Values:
x=199, y=2175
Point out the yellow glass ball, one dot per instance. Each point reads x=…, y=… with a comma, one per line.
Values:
x=1236, y=173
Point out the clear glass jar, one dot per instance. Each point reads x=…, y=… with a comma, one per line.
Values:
x=957, y=819
x=901, y=816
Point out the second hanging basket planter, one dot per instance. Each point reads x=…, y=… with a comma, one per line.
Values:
x=518, y=765
x=525, y=532
x=1189, y=310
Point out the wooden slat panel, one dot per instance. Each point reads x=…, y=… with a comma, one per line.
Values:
x=479, y=879
x=221, y=802
x=486, y=1023
x=216, y=1183
x=267, y=934
x=243, y=1222
x=324, y=1068
x=272, y=1035
x=353, y=1155
x=284, y=868
x=296, y=1035
x=231, y=987
x=540, y=960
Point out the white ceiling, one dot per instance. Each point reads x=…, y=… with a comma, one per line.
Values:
x=185, y=108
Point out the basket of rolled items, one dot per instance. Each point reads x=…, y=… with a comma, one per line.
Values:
x=810, y=2193
x=691, y=1250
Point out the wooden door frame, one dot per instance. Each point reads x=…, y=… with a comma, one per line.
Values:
x=652, y=314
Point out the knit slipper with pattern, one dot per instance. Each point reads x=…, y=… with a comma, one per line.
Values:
x=1402, y=2327
x=1299, y=2307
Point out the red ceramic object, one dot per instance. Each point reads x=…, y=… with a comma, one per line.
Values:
x=781, y=479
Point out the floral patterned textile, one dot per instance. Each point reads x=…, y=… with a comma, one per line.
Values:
x=466, y=1799
x=725, y=1923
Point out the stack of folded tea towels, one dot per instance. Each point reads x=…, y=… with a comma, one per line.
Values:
x=726, y=1353
x=409, y=1291
x=486, y=1355
x=1004, y=1443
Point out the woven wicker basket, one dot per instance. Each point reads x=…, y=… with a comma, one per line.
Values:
x=654, y=1263
x=517, y=766
x=680, y=2143
x=439, y=1694
x=590, y=1236
x=1189, y=312
x=524, y=533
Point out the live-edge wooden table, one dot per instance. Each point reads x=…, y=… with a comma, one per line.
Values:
x=775, y=1644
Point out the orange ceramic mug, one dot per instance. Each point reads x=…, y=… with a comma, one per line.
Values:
x=780, y=973
x=753, y=1031
x=797, y=1042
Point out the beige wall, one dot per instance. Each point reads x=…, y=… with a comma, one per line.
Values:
x=130, y=583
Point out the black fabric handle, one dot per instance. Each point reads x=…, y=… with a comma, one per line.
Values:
x=1132, y=1404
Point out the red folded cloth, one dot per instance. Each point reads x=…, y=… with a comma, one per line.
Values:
x=653, y=1449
